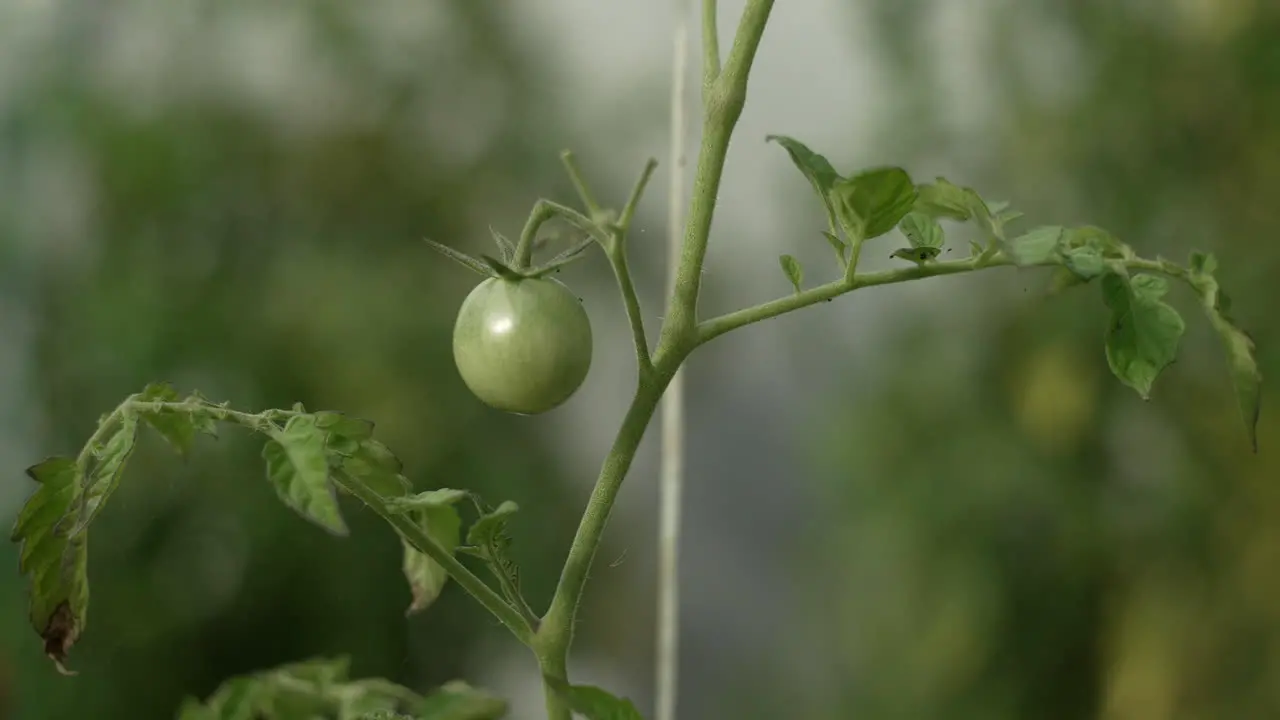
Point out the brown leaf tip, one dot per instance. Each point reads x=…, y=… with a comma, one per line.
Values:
x=60, y=633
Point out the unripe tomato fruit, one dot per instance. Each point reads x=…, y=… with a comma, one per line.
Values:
x=523, y=346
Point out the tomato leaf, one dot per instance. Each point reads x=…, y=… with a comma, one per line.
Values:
x=491, y=524
x=1246, y=378
x=373, y=464
x=791, y=267
x=919, y=255
x=298, y=468
x=105, y=465
x=55, y=562
x=433, y=511
x=816, y=169
x=1086, y=262
x=1144, y=333
x=922, y=230
x=941, y=199
x=1037, y=246
x=177, y=428
x=457, y=700
x=310, y=689
x=594, y=703
x=838, y=245
x=872, y=202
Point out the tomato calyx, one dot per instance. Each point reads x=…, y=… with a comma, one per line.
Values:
x=503, y=269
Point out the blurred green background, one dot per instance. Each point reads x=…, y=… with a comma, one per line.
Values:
x=987, y=525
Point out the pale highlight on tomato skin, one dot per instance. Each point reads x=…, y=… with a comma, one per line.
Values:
x=522, y=346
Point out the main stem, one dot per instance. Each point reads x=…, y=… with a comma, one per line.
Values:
x=555, y=635
x=670, y=475
x=724, y=96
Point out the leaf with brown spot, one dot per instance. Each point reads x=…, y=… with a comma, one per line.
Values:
x=55, y=565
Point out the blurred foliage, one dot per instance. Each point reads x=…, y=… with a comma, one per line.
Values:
x=231, y=196
x=1011, y=533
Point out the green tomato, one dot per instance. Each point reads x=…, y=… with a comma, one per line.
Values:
x=523, y=346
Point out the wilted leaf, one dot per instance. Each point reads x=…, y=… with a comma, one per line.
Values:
x=105, y=467
x=55, y=565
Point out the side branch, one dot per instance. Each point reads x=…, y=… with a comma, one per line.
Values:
x=421, y=541
x=710, y=46
x=710, y=329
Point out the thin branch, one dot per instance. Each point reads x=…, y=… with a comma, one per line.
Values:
x=715, y=327
x=710, y=46
x=617, y=254
x=575, y=176
x=637, y=191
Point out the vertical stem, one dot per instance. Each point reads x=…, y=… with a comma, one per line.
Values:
x=671, y=480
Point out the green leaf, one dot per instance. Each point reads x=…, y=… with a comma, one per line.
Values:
x=302, y=691
x=872, y=203
x=594, y=703
x=919, y=255
x=1063, y=279
x=344, y=426
x=838, y=245
x=1000, y=210
x=1143, y=335
x=457, y=700
x=488, y=526
x=505, y=247
x=461, y=258
x=1037, y=246
x=373, y=464
x=942, y=199
x=815, y=167
x=1246, y=378
x=922, y=230
x=426, y=576
x=428, y=500
x=54, y=563
x=177, y=427
x=105, y=467
x=298, y=468
x=791, y=267
x=1086, y=262
x=1103, y=242
x=1203, y=263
